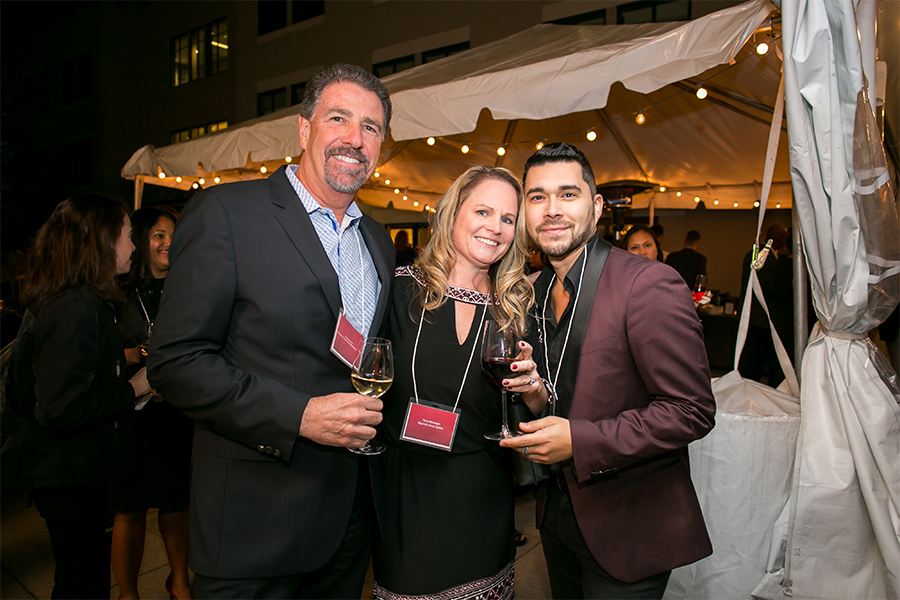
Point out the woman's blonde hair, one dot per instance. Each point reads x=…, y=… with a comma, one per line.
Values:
x=511, y=291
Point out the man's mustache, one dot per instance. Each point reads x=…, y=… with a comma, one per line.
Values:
x=348, y=151
x=554, y=225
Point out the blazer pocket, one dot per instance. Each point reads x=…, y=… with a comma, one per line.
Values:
x=610, y=342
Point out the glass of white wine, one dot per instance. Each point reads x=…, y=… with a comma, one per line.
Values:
x=373, y=378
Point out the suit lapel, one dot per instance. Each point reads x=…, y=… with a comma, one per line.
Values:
x=299, y=228
x=597, y=251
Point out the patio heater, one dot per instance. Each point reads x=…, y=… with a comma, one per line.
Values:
x=617, y=196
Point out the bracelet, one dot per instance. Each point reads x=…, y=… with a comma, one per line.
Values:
x=552, y=398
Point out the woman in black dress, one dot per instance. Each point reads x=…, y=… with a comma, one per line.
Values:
x=68, y=383
x=160, y=434
x=446, y=518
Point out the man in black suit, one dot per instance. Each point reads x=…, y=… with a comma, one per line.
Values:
x=688, y=261
x=260, y=273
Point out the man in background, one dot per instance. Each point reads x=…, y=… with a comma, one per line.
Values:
x=688, y=261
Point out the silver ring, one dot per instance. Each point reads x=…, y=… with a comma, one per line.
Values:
x=531, y=379
x=525, y=450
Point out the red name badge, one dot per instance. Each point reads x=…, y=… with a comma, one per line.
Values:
x=347, y=343
x=430, y=424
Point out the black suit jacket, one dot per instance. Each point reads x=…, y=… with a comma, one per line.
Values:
x=240, y=344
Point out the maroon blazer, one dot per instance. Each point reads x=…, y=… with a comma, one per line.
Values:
x=642, y=394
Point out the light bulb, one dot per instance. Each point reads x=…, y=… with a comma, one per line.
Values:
x=377, y=174
x=678, y=194
x=501, y=151
x=716, y=202
x=539, y=145
x=178, y=179
x=762, y=48
x=396, y=190
x=464, y=149
x=216, y=179
x=387, y=182
x=662, y=188
x=756, y=204
x=427, y=207
x=701, y=92
x=415, y=202
x=201, y=181
x=591, y=135
x=194, y=185
x=430, y=141
x=696, y=198
x=735, y=204
x=263, y=169
x=777, y=206
x=162, y=175
x=640, y=118
x=287, y=159
x=405, y=197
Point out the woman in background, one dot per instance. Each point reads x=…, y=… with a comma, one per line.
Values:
x=641, y=240
x=160, y=434
x=68, y=382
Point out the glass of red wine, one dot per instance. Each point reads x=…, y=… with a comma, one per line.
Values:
x=498, y=351
x=699, y=288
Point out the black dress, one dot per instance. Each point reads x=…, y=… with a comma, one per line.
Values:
x=160, y=434
x=446, y=518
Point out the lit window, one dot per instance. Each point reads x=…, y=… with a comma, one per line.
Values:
x=199, y=53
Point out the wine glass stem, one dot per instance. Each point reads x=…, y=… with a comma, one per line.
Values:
x=504, y=427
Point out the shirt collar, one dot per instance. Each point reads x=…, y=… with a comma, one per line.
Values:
x=311, y=204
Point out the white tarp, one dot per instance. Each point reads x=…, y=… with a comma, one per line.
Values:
x=552, y=83
x=844, y=526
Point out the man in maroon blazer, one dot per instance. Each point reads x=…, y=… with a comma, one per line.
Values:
x=618, y=338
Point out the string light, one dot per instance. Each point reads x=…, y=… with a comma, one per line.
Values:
x=195, y=186
x=762, y=48
x=640, y=119
x=430, y=141
x=464, y=149
x=696, y=198
x=263, y=169
x=178, y=179
x=377, y=174
x=756, y=204
x=716, y=202
x=396, y=190
x=701, y=92
x=678, y=194
x=501, y=151
x=735, y=204
x=662, y=188
x=287, y=159
x=405, y=197
x=201, y=181
x=777, y=206
x=591, y=135
x=415, y=202
x=427, y=207
x=216, y=179
x=539, y=145
x=387, y=182
x=162, y=175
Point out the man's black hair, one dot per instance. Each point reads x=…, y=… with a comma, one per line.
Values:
x=562, y=152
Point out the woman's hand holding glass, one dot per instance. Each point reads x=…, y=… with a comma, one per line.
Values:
x=526, y=380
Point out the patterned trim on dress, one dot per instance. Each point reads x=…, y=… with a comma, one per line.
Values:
x=453, y=292
x=496, y=587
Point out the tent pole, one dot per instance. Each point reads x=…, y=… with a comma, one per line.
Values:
x=138, y=191
x=801, y=330
x=652, y=207
x=866, y=13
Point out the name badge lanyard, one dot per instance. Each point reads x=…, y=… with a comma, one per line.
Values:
x=146, y=315
x=468, y=365
x=568, y=329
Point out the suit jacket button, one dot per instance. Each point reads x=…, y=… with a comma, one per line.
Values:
x=268, y=449
x=261, y=448
x=277, y=453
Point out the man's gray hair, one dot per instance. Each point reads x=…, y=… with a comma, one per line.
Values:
x=339, y=73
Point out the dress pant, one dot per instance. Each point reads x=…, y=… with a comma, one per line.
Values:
x=574, y=573
x=77, y=520
x=341, y=577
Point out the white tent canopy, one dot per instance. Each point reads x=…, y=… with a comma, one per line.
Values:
x=551, y=83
